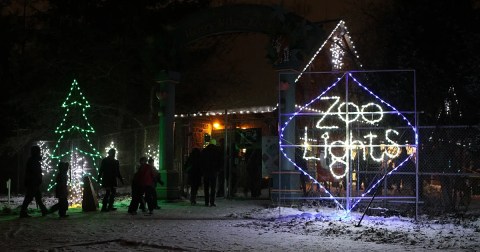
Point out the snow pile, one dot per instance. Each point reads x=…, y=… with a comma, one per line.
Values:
x=447, y=232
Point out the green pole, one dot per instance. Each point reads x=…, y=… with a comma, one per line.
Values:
x=166, y=97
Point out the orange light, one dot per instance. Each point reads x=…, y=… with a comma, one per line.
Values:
x=216, y=125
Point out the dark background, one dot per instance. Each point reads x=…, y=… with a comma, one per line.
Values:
x=116, y=49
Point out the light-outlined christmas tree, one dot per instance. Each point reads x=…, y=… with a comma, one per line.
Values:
x=74, y=145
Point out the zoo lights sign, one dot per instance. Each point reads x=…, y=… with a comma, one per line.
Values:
x=359, y=114
x=338, y=129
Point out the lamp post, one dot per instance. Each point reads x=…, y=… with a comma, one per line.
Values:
x=166, y=96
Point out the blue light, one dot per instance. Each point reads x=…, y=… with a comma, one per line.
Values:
x=369, y=190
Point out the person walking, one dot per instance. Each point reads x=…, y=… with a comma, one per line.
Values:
x=194, y=173
x=108, y=173
x=33, y=180
x=211, y=163
x=61, y=190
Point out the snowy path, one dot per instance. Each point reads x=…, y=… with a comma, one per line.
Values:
x=232, y=226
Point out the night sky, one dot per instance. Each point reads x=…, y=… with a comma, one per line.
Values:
x=115, y=50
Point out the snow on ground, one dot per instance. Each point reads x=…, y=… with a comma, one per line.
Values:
x=234, y=225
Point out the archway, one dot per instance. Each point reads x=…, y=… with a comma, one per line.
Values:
x=290, y=40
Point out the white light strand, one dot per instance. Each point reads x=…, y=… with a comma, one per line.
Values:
x=46, y=159
x=391, y=150
x=318, y=51
x=78, y=169
x=348, y=38
x=152, y=151
x=337, y=53
x=111, y=146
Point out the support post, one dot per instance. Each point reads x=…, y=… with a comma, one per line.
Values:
x=286, y=181
x=165, y=93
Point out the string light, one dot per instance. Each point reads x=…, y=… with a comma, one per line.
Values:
x=109, y=147
x=340, y=31
x=78, y=169
x=337, y=52
x=46, y=160
x=391, y=149
x=450, y=101
x=250, y=110
x=152, y=151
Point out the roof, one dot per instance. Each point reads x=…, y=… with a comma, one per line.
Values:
x=339, y=42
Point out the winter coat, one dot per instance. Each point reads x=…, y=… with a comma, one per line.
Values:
x=61, y=190
x=145, y=176
x=193, y=167
x=212, y=160
x=33, y=172
x=109, y=172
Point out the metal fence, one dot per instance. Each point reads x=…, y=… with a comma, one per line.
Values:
x=449, y=168
x=355, y=144
x=448, y=178
x=130, y=146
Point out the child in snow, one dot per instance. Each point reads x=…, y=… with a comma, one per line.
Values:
x=61, y=190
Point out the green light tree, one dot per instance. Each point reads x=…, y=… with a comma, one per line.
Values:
x=73, y=144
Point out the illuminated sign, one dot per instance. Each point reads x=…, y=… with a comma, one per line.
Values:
x=343, y=128
x=360, y=114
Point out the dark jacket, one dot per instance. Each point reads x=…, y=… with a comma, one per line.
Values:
x=212, y=160
x=33, y=172
x=109, y=172
x=193, y=167
x=61, y=189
